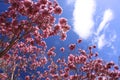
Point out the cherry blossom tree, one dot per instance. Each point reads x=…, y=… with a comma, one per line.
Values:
x=23, y=28
x=24, y=53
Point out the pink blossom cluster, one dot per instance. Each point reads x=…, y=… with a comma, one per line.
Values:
x=23, y=28
x=28, y=33
x=24, y=52
x=83, y=66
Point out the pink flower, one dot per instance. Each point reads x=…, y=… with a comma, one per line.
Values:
x=27, y=78
x=63, y=21
x=7, y=56
x=94, y=46
x=96, y=54
x=65, y=75
x=62, y=49
x=90, y=47
x=63, y=36
x=116, y=67
x=83, y=52
x=58, y=60
x=71, y=58
x=72, y=46
x=27, y=3
x=58, y=10
x=45, y=12
x=79, y=40
x=66, y=28
x=46, y=73
x=55, y=76
x=43, y=43
x=82, y=58
x=57, y=28
x=47, y=78
x=77, y=59
x=71, y=66
x=43, y=61
x=66, y=69
x=73, y=77
x=51, y=53
x=43, y=1
x=52, y=49
x=3, y=76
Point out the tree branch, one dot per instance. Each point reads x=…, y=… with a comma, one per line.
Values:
x=12, y=43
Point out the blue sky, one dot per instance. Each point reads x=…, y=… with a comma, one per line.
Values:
x=96, y=22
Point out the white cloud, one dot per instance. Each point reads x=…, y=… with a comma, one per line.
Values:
x=83, y=17
x=108, y=16
x=101, y=41
x=83, y=14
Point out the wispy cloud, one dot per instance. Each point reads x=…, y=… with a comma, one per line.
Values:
x=83, y=17
x=102, y=40
x=107, y=16
x=83, y=23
